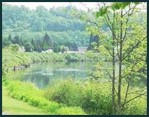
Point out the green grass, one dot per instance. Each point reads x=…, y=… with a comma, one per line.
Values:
x=17, y=107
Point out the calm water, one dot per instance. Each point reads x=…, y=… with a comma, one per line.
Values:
x=44, y=74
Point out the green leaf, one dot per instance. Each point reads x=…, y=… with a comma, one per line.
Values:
x=136, y=3
x=125, y=4
x=116, y=6
x=101, y=12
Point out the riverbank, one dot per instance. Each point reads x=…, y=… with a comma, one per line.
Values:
x=13, y=59
x=11, y=106
x=66, y=97
x=31, y=95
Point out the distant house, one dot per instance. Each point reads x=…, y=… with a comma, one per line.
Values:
x=71, y=52
x=82, y=49
x=47, y=51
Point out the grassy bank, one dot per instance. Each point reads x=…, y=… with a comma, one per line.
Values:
x=33, y=96
x=16, y=107
x=27, y=92
x=67, y=97
x=13, y=58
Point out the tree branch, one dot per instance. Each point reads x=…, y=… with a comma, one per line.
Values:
x=107, y=19
x=93, y=23
x=127, y=12
x=111, y=79
x=127, y=53
x=126, y=23
x=108, y=23
x=134, y=98
x=126, y=94
x=125, y=33
x=109, y=51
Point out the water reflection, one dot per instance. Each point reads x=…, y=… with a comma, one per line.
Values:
x=47, y=73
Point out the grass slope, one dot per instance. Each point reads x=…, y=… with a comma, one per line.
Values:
x=17, y=107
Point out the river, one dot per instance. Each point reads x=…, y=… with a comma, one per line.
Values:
x=47, y=74
x=44, y=74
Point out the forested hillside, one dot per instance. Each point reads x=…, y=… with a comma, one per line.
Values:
x=43, y=29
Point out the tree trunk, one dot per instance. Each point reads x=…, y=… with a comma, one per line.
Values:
x=113, y=73
x=120, y=71
x=113, y=81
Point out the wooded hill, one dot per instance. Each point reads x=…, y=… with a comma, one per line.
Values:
x=31, y=28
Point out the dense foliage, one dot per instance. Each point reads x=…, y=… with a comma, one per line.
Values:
x=43, y=29
x=27, y=92
x=94, y=97
x=13, y=58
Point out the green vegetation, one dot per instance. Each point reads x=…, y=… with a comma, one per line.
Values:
x=124, y=43
x=16, y=107
x=115, y=37
x=70, y=111
x=42, y=29
x=27, y=92
x=12, y=57
x=94, y=97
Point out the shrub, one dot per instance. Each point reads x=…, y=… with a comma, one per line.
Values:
x=71, y=57
x=52, y=106
x=93, y=98
x=5, y=81
x=136, y=107
x=29, y=93
x=65, y=92
x=70, y=111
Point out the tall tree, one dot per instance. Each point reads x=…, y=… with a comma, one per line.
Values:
x=128, y=46
x=47, y=42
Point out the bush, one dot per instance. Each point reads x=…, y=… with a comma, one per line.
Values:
x=5, y=81
x=30, y=94
x=92, y=96
x=65, y=92
x=70, y=111
x=27, y=92
x=136, y=107
x=71, y=57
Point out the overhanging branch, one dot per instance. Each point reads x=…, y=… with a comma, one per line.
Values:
x=134, y=98
x=128, y=52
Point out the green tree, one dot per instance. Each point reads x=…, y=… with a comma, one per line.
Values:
x=57, y=22
x=15, y=40
x=128, y=47
x=28, y=47
x=6, y=41
x=63, y=48
x=47, y=42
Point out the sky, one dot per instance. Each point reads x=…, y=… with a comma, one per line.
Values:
x=79, y=5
